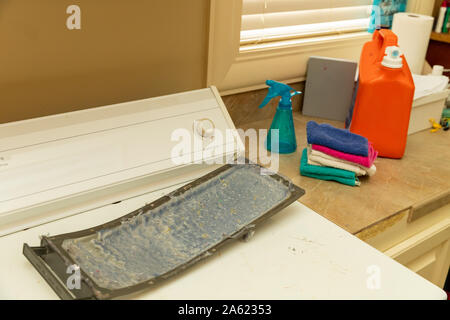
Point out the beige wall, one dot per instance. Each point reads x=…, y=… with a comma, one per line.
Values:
x=125, y=50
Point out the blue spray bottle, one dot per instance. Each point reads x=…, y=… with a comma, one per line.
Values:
x=283, y=120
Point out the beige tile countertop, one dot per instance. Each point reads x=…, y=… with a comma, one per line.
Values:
x=419, y=182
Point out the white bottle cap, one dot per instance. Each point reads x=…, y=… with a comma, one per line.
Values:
x=438, y=70
x=393, y=58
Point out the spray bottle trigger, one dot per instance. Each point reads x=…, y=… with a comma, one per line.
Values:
x=266, y=100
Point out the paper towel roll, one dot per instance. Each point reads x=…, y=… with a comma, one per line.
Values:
x=413, y=32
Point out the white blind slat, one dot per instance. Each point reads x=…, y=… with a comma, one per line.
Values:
x=269, y=6
x=300, y=31
x=271, y=20
x=291, y=18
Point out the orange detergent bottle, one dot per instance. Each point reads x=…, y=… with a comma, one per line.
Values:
x=384, y=96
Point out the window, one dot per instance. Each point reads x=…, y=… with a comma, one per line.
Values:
x=274, y=20
x=255, y=40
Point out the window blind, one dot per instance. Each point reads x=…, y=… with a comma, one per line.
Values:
x=273, y=20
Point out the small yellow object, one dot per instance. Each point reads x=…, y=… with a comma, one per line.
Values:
x=434, y=125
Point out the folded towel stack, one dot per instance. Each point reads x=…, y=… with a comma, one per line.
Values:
x=348, y=154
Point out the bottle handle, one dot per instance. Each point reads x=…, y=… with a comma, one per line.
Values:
x=386, y=38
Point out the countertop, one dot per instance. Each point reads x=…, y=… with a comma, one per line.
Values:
x=415, y=183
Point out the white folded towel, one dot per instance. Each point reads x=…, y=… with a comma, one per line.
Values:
x=318, y=158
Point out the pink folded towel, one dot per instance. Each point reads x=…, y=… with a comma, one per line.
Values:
x=364, y=161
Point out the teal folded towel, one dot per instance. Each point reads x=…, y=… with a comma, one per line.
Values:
x=326, y=173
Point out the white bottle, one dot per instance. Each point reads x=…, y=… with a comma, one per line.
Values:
x=440, y=21
x=437, y=70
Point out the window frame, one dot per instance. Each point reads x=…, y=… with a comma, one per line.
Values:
x=233, y=71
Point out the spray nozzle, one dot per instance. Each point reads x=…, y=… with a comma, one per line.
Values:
x=278, y=89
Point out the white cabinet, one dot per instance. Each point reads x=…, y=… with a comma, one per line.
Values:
x=422, y=245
